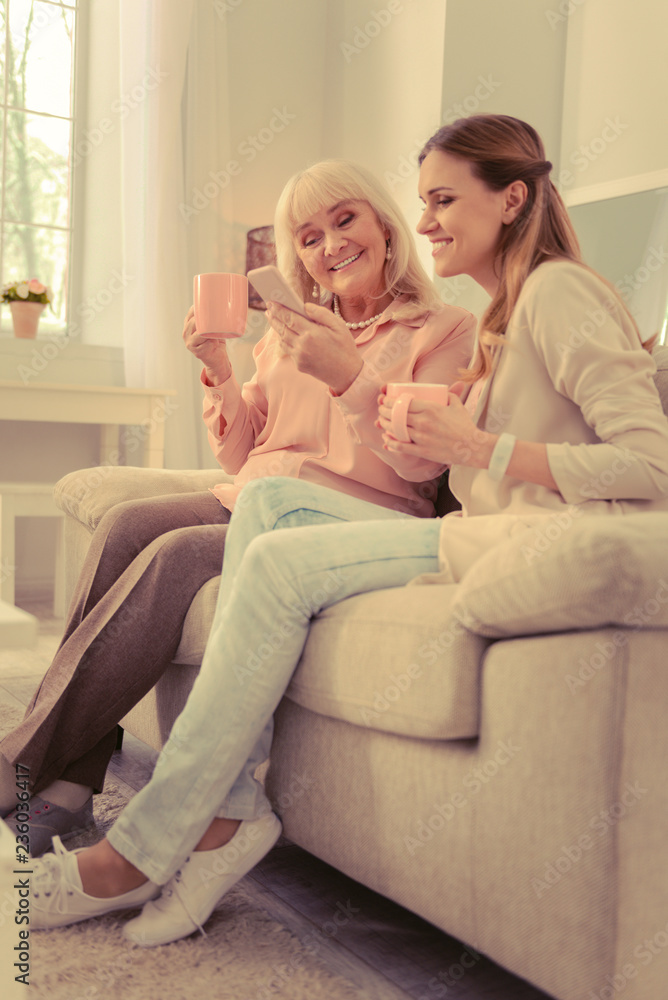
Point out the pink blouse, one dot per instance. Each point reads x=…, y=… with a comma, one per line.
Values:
x=287, y=423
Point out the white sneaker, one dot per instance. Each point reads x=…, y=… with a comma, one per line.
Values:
x=192, y=894
x=58, y=898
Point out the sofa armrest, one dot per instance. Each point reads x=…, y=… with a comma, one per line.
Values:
x=87, y=494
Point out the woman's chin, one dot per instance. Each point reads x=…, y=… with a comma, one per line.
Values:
x=447, y=269
x=356, y=289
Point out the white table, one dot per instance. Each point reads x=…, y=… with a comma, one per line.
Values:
x=109, y=406
x=28, y=500
x=17, y=627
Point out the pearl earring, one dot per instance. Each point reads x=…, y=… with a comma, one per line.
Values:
x=316, y=292
x=388, y=250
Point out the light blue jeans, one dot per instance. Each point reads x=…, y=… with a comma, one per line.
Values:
x=273, y=583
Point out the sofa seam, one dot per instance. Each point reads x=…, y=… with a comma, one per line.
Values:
x=620, y=716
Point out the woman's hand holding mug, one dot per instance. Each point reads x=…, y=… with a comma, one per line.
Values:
x=402, y=394
x=219, y=311
x=211, y=352
x=431, y=423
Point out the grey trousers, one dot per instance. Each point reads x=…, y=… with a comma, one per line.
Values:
x=146, y=562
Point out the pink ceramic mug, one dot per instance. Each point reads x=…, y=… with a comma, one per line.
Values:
x=403, y=394
x=221, y=304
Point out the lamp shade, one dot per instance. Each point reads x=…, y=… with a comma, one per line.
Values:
x=260, y=250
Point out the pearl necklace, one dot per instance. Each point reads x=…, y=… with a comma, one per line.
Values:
x=354, y=326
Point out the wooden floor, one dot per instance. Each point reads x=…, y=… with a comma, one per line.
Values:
x=385, y=950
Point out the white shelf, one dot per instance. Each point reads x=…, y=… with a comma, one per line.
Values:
x=17, y=627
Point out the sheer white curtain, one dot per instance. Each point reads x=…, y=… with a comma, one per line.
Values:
x=159, y=41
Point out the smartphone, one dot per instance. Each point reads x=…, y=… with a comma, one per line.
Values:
x=271, y=284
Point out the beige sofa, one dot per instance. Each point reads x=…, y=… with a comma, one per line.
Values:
x=492, y=755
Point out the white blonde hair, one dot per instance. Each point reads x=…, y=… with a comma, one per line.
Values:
x=327, y=183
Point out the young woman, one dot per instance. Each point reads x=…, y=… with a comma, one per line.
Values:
x=309, y=412
x=546, y=416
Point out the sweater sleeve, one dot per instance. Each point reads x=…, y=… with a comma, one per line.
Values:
x=594, y=358
x=234, y=417
x=448, y=345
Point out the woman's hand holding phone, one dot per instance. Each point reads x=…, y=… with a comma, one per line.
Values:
x=319, y=343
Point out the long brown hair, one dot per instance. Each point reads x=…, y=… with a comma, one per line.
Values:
x=500, y=150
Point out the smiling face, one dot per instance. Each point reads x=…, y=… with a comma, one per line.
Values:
x=463, y=218
x=343, y=249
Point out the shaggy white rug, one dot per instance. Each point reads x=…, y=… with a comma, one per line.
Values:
x=246, y=955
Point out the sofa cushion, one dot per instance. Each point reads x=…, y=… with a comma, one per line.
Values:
x=87, y=494
x=575, y=574
x=393, y=660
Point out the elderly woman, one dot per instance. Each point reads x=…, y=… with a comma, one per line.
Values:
x=309, y=412
x=490, y=212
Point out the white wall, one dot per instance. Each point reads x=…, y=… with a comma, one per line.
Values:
x=502, y=58
x=392, y=61
x=615, y=140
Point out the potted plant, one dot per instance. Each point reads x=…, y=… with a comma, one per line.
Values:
x=27, y=300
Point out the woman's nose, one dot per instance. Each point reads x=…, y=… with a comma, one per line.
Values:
x=425, y=222
x=333, y=243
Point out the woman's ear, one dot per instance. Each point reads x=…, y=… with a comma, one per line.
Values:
x=516, y=195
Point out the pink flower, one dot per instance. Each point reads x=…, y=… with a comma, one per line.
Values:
x=36, y=286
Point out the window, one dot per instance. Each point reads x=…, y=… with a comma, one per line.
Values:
x=36, y=86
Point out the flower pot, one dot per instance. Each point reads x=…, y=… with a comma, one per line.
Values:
x=25, y=317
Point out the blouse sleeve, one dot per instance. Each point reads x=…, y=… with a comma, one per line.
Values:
x=594, y=358
x=234, y=417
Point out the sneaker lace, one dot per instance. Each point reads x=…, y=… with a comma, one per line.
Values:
x=47, y=878
x=175, y=889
